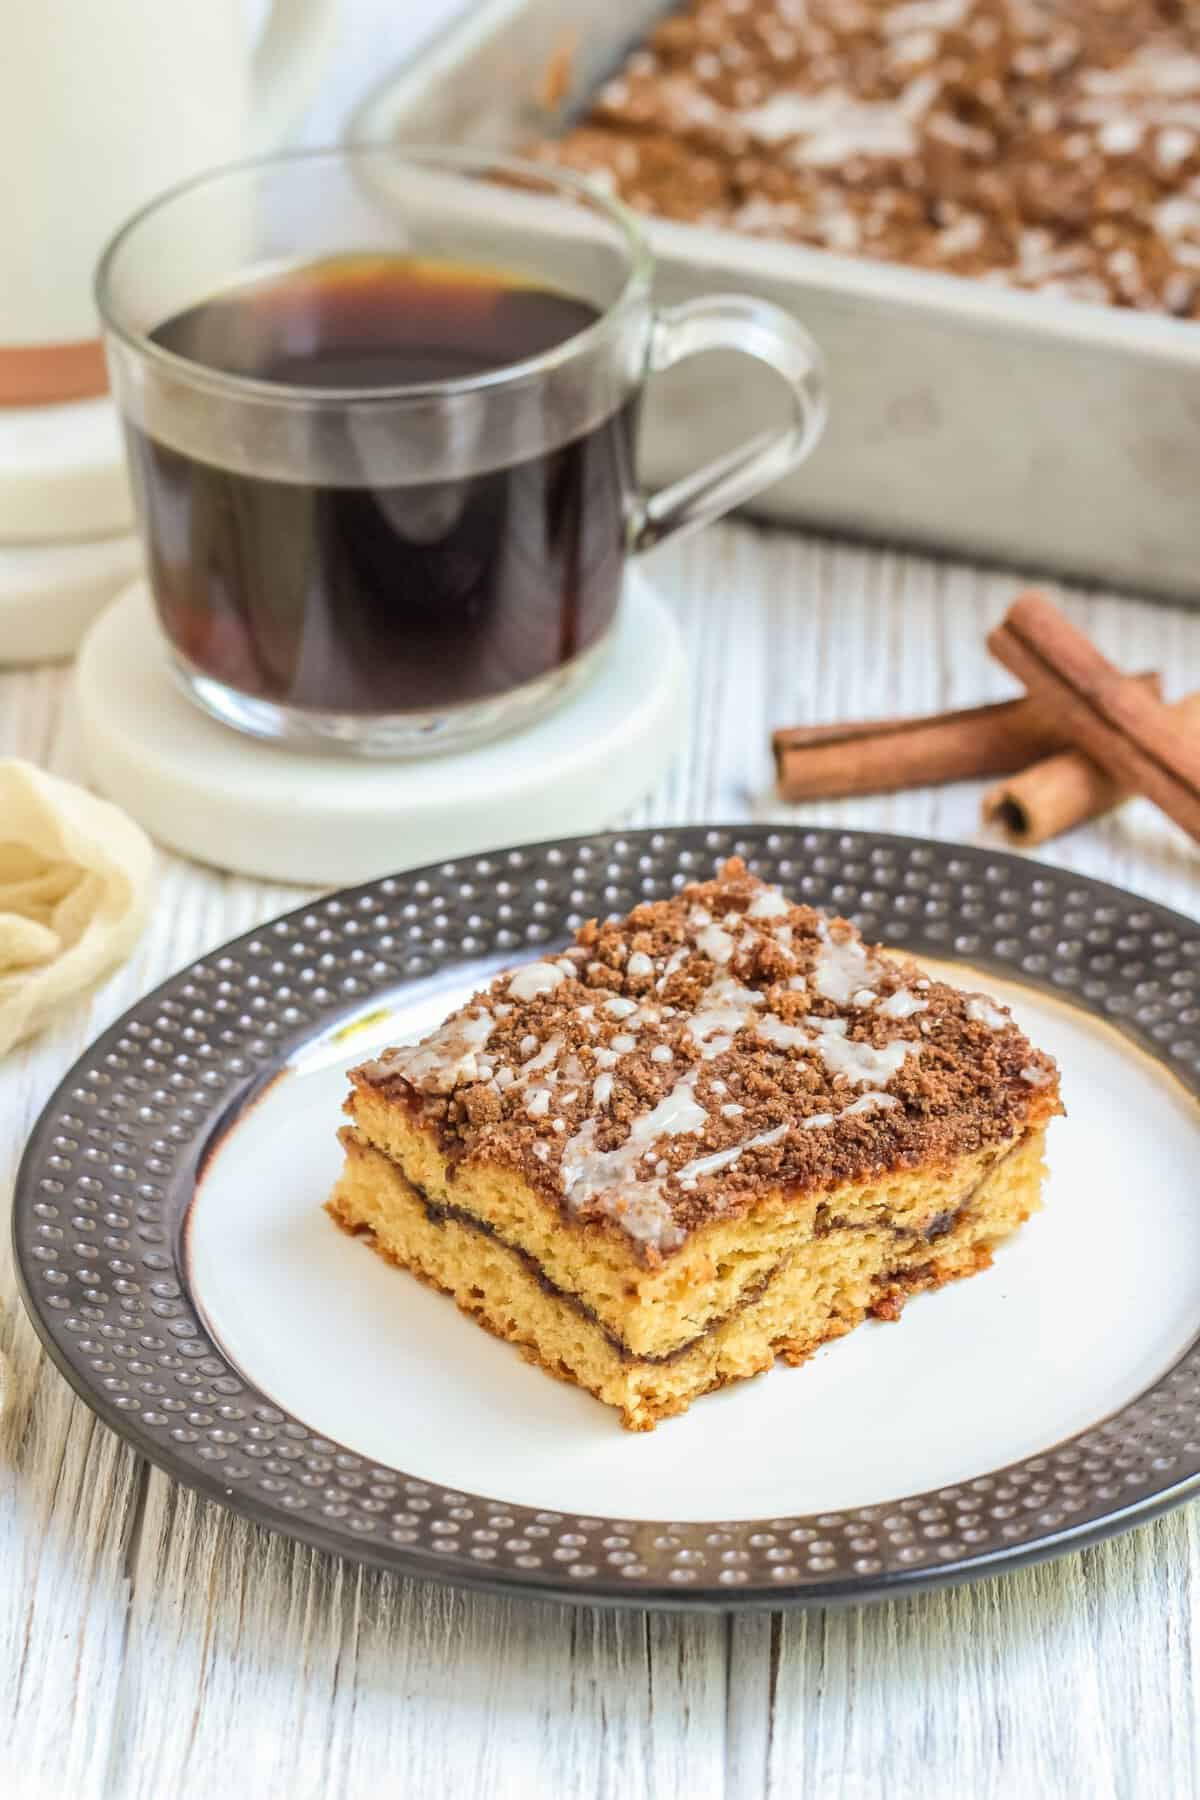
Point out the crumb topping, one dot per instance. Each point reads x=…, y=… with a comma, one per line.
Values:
x=1045, y=144
x=673, y=1064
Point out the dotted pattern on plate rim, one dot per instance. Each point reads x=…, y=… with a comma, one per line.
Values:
x=105, y=1184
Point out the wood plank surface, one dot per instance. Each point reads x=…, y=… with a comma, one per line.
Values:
x=152, y=1646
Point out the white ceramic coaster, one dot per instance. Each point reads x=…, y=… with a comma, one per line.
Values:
x=62, y=472
x=50, y=593
x=211, y=793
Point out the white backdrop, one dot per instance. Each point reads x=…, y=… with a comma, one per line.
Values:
x=374, y=37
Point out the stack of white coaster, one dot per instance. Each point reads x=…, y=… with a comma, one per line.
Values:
x=66, y=525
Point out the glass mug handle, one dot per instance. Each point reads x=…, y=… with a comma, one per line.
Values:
x=770, y=335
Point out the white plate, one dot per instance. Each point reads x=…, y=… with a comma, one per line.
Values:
x=1093, y=1299
x=175, y=1258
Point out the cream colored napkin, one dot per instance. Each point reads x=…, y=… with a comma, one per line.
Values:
x=74, y=881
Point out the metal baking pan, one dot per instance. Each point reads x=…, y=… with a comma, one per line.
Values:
x=993, y=424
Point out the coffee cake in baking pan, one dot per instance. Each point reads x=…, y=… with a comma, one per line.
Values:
x=1046, y=144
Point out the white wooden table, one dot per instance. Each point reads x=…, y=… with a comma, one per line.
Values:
x=153, y=1647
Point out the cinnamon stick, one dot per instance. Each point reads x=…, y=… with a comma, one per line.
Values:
x=881, y=756
x=1063, y=791
x=1137, y=741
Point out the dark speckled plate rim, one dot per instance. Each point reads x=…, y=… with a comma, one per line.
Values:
x=1121, y=1471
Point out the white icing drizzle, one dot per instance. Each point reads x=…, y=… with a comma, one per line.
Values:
x=567, y=967
x=961, y=236
x=1177, y=216
x=699, y=916
x=1119, y=137
x=620, y=1008
x=662, y=1053
x=924, y=15
x=787, y=1037
x=624, y=1043
x=724, y=1009
x=1037, y=1078
x=861, y=1064
x=528, y=1045
x=535, y=978
x=715, y=942
x=901, y=1005
x=448, y=1057
x=610, y=1177
x=870, y=1103
x=537, y=1102
x=677, y=1113
x=731, y=1110
x=1173, y=146
x=982, y=1011
x=700, y=1166
x=873, y=1102
x=1152, y=69
x=605, y=1058
x=834, y=125
x=545, y=1058
x=640, y=964
x=842, y=967
x=675, y=961
x=769, y=904
x=602, y=1089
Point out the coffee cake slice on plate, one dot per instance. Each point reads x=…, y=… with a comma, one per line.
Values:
x=720, y=1130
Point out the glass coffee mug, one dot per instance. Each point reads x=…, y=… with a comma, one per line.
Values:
x=380, y=411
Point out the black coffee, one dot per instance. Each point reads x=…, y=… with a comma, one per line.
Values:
x=370, y=599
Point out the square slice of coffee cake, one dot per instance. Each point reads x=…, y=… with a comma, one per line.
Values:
x=718, y=1131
